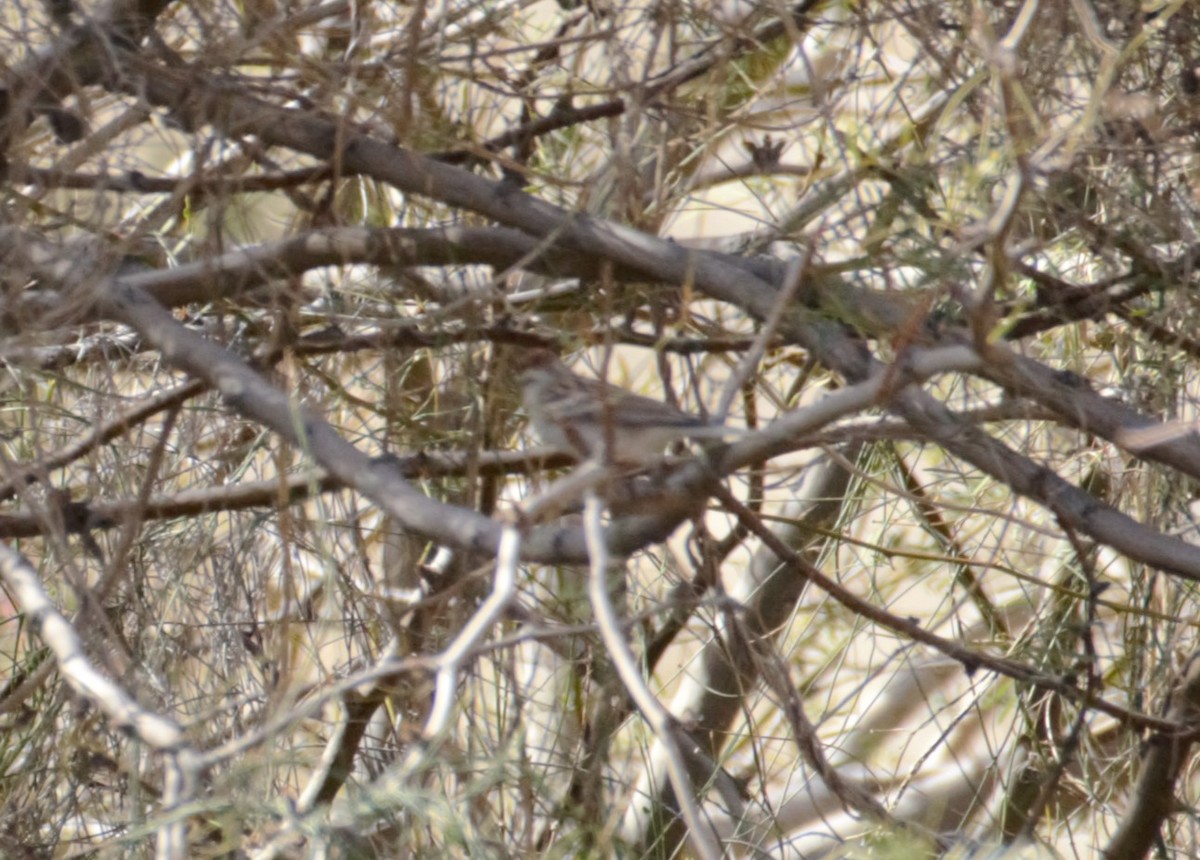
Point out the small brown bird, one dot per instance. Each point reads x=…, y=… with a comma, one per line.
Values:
x=598, y=421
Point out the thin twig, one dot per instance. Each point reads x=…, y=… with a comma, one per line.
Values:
x=662, y=724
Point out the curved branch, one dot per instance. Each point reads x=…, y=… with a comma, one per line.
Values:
x=1166, y=754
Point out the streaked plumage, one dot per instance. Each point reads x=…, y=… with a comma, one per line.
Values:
x=589, y=418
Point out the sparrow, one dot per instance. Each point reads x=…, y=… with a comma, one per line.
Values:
x=598, y=421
